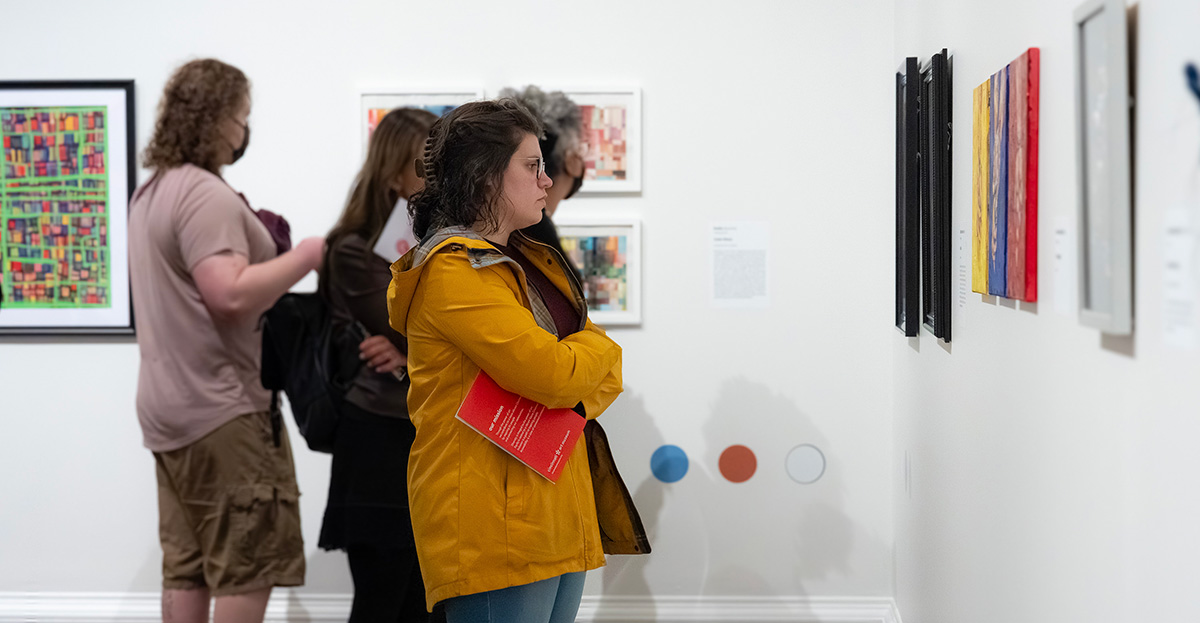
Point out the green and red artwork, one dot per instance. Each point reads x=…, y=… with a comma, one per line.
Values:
x=54, y=202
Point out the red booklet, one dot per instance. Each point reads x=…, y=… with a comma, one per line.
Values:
x=535, y=435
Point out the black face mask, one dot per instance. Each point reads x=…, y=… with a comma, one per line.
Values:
x=241, y=150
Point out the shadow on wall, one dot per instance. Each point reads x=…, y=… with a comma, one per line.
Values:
x=322, y=569
x=749, y=413
x=821, y=536
x=629, y=425
x=328, y=570
x=295, y=608
x=733, y=530
x=148, y=578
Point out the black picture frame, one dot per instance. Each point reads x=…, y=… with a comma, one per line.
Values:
x=908, y=241
x=934, y=156
x=120, y=151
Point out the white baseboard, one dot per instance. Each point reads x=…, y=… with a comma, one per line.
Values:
x=147, y=607
x=300, y=607
x=686, y=609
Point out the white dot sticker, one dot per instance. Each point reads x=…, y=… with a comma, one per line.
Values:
x=805, y=464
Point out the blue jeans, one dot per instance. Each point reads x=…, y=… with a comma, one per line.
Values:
x=555, y=600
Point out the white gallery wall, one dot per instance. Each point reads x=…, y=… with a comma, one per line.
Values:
x=1043, y=473
x=759, y=111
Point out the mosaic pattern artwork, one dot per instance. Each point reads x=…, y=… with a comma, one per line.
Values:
x=1005, y=181
x=603, y=260
x=54, y=227
x=612, y=138
x=605, y=130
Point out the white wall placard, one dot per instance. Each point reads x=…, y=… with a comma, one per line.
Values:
x=1065, y=260
x=964, y=268
x=1179, y=280
x=739, y=264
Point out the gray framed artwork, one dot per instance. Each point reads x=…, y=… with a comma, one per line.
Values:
x=1103, y=173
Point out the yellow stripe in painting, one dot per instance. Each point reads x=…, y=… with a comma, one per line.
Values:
x=979, y=189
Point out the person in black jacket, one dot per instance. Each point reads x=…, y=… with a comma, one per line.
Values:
x=367, y=513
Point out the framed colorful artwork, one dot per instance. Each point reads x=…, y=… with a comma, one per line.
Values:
x=612, y=131
x=1103, y=170
x=65, y=183
x=375, y=103
x=608, y=253
x=1004, y=181
x=936, y=103
x=908, y=223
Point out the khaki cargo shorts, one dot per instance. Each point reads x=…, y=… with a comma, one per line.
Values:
x=228, y=511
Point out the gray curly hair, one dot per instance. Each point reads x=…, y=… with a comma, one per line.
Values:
x=562, y=118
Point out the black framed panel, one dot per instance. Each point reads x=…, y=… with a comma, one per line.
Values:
x=908, y=241
x=936, y=215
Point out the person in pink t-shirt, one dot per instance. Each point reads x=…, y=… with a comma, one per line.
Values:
x=203, y=269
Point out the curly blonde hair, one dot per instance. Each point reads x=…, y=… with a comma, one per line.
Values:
x=199, y=95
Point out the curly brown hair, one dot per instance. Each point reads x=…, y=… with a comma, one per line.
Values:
x=199, y=95
x=466, y=155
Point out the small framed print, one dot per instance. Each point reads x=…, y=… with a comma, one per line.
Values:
x=608, y=253
x=68, y=173
x=1103, y=172
x=375, y=103
x=612, y=130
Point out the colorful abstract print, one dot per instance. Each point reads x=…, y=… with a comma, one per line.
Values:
x=602, y=260
x=605, y=130
x=54, y=243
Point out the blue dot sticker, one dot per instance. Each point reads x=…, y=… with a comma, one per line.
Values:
x=669, y=463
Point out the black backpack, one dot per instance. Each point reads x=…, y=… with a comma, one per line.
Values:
x=313, y=359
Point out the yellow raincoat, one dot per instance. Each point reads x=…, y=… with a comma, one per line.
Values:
x=481, y=519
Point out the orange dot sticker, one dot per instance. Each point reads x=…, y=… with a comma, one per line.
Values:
x=738, y=463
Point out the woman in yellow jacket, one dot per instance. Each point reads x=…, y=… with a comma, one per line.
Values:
x=496, y=541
